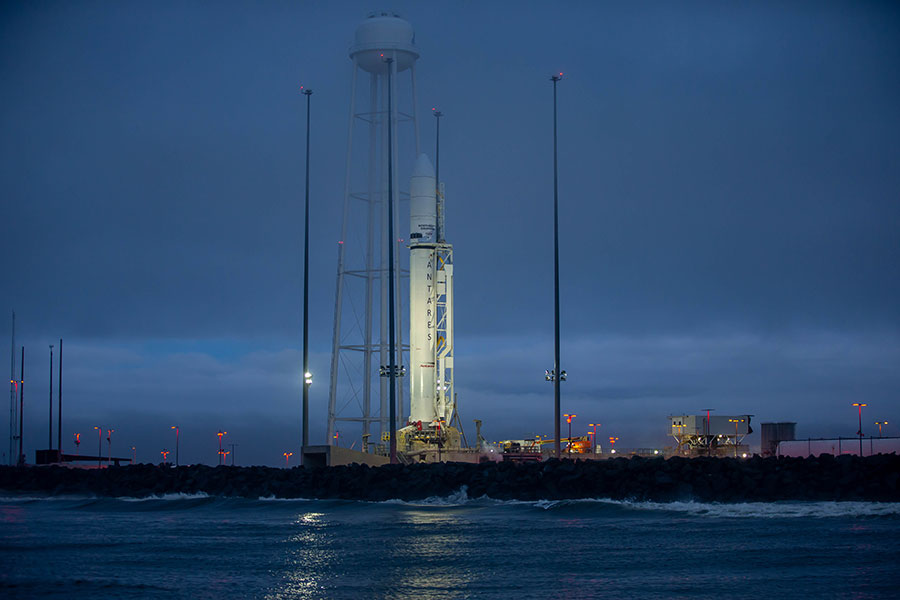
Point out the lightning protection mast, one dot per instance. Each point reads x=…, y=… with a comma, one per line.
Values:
x=360, y=362
x=12, y=393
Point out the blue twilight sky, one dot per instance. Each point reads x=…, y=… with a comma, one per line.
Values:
x=729, y=209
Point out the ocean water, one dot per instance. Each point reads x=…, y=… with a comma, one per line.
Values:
x=456, y=547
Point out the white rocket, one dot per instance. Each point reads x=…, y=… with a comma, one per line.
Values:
x=432, y=399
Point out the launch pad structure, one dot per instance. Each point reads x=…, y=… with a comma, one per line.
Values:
x=361, y=364
x=710, y=435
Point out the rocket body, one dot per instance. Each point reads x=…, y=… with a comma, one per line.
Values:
x=430, y=305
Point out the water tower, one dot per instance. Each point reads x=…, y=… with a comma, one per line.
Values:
x=358, y=396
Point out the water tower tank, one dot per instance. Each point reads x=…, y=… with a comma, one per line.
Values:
x=384, y=35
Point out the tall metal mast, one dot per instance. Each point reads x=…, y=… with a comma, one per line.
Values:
x=59, y=408
x=306, y=374
x=50, y=422
x=558, y=374
x=21, y=460
x=12, y=393
x=438, y=196
x=392, y=345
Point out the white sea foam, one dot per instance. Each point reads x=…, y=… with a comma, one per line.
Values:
x=274, y=499
x=755, y=510
x=457, y=498
x=174, y=496
x=23, y=499
x=86, y=497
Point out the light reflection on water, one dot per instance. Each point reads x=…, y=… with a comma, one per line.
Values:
x=478, y=549
x=420, y=554
x=309, y=559
x=432, y=556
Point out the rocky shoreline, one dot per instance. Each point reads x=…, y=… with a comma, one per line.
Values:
x=871, y=478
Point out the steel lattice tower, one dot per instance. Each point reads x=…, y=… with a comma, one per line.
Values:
x=360, y=335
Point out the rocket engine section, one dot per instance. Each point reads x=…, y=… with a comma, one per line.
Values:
x=430, y=305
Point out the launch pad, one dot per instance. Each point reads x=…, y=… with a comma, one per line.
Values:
x=428, y=444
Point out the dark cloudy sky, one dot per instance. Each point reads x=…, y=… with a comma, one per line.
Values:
x=729, y=191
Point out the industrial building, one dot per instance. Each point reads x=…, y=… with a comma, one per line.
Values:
x=710, y=435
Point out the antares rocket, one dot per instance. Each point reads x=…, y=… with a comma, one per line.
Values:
x=432, y=399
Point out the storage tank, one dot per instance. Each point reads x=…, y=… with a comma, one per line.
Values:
x=786, y=432
x=772, y=434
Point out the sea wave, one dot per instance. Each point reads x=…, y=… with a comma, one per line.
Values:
x=174, y=496
x=775, y=510
x=461, y=498
x=740, y=510
x=755, y=510
x=458, y=498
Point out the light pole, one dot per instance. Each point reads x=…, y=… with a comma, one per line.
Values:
x=99, y=445
x=860, y=433
x=175, y=427
x=59, y=386
x=707, y=438
x=880, y=424
x=307, y=381
x=735, y=421
x=77, y=443
x=165, y=455
x=220, y=434
x=594, y=437
x=556, y=368
x=109, y=433
x=569, y=421
x=21, y=459
x=133, y=455
x=612, y=443
x=232, y=453
x=287, y=458
x=392, y=342
x=307, y=378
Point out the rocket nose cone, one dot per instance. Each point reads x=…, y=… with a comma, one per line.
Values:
x=423, y=167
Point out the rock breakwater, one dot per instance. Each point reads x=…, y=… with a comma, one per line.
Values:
x=826, y=477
